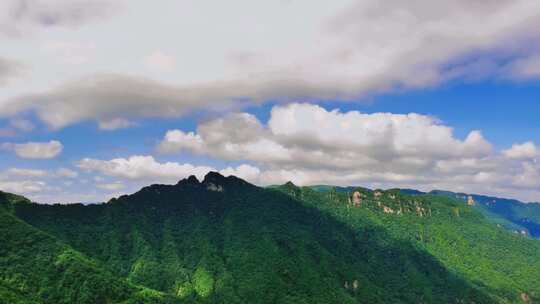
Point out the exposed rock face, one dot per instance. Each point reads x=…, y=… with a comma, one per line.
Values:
x=213, y=187
x=388, y=209
x=470, y=200
x=420, y=211
x=356, y=198
x=525, y=297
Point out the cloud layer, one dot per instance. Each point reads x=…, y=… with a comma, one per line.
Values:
x=145, y=168
x=9, y=70
x=343, y=50
x=309, y=145
x=35, y=150
x=18, y=17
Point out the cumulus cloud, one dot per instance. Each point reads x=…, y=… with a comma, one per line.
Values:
x=23, y=180
x=35, y=150
x=310, y=135
x=527, y=150
x=146, y=168
x=22, y=187
x=243, y=171
x=309, y=145
x=345, y=50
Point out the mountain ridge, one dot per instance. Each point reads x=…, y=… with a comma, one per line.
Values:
x=223, y=240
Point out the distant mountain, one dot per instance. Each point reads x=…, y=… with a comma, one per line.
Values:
x=515, y=215
x=224, y=240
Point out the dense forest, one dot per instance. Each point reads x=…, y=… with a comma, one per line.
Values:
x=512, y=214
x=224, y=240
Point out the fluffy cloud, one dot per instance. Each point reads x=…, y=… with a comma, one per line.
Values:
x=310, y=145
x=22, y=187
x=35, y=150
x=23, y=180
x=146, y=168
x=526, y=150
x=244, y=171
x=341, y=50
x=312, y=136
x=142, y=167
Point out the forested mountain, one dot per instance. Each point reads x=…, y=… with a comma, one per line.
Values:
x=514, y=215
x=224, y=240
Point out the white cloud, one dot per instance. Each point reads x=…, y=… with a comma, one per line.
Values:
x=35, y=150
x=527, y=150
x=73, y=53
x=22, y=187
x=525, y=68
x=341, y=50
x=67, y=173
x=114, y=124
x=19, y=172
x=18, y=17
x=160, y=61
x=244, y=171
x=142, y=167
x=111, y=186
x=313, y=136
x=176, y=140
x=146, y=168
x=10, y=70
x=311, y=145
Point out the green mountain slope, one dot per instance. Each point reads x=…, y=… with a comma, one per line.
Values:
x=224, y=240
x=512, y=214
x=35, y=267
x=497, y=261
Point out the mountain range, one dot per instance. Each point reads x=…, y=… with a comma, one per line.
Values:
x=224, y=240
x=512, y=214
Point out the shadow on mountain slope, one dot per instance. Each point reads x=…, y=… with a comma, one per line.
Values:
x=226, y=241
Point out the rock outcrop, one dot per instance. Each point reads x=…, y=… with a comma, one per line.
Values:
x=357, y=198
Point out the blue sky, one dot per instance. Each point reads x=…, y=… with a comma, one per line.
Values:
x=347, y=93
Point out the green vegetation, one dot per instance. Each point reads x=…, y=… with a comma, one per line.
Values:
x=226, y=241
x=511, y=214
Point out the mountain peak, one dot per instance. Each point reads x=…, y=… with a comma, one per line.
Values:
x=215, y=181
x=191, y=180
x=290, y=184
x=214, y=177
